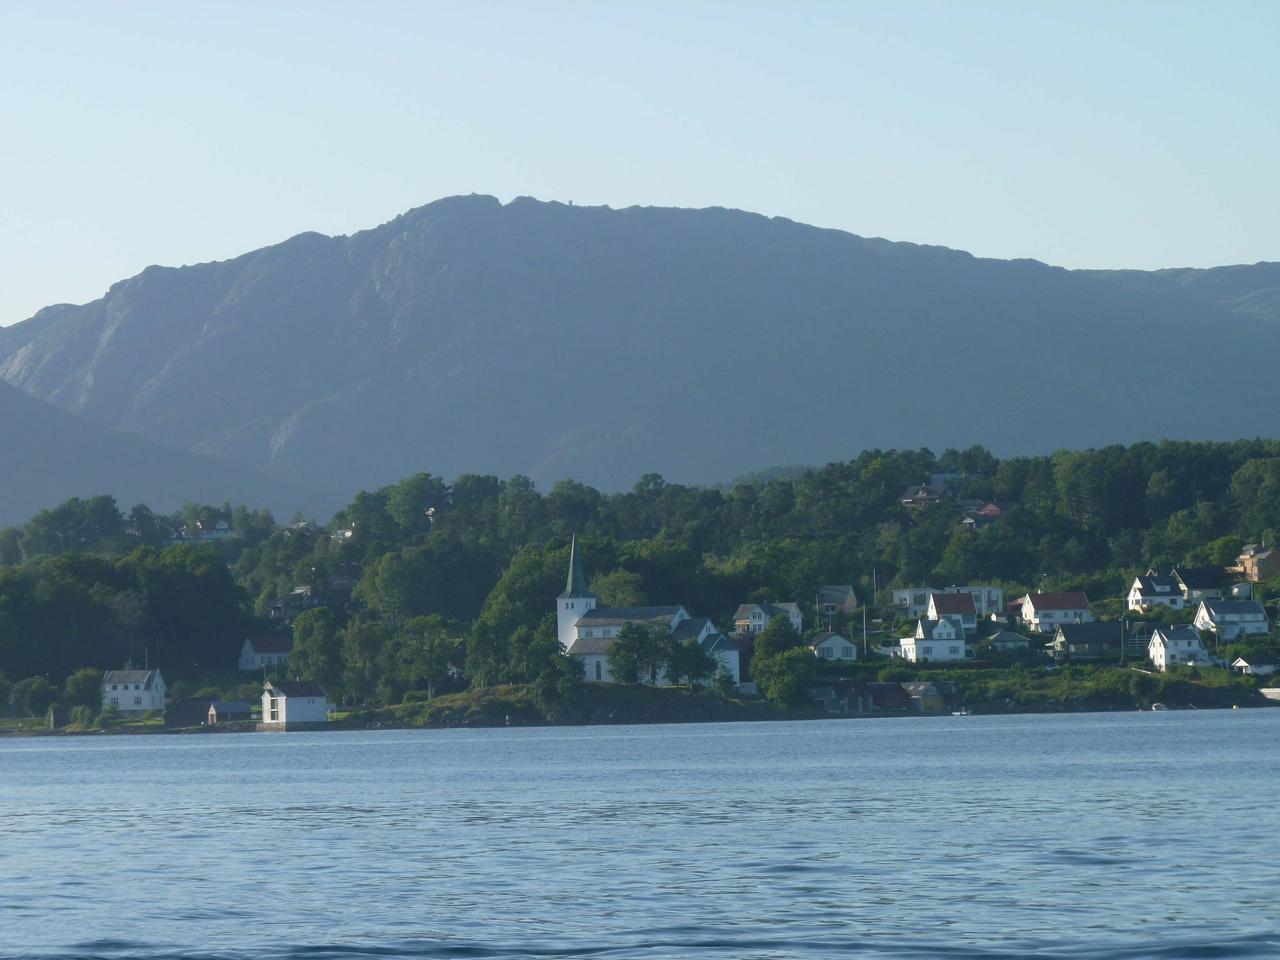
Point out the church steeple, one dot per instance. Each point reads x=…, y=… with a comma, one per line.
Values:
x=576, y=586
x=576, y=601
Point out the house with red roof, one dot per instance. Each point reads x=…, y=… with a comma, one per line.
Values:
x=1045, y=612
x=959, y=608
x=268, y=650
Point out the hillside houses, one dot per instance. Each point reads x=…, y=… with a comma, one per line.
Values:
x=1256, y=563
x=1154, y=590
x=132, y=692
x=1176, y=646
x=754, y=617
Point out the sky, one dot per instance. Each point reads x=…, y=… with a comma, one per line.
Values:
x=1116, y=134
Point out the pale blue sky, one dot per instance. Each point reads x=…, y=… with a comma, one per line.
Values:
x=1082, y=134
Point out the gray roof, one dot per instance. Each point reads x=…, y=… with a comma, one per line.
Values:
x=584, y=645
x=617, y=616
x=1151, y=585
x=1008, y=636
x=769, y=609
x=1180, y=631
x=1199, y=578
x=144, y=677
x=689, y=629
x=1098, y=632
x=1239, y=608
x=576, y=584
x=296, y=688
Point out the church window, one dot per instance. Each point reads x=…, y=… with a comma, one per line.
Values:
x=597, y=669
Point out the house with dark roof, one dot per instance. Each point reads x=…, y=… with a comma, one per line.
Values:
x=754, y=617
x=979, y=514
x=133, y=691
x=1230, y=619
x=836, y=598
x=1096, y=640
x=1178, y=645
x=1006, y=641
x=927, y=696
x=293, y=703
x=933, y=640
x=1154, y=590
x=296, y=601
x=1200, y=583
x=924, y=494
x=834, y=647
x=1257, y=562
x=1044, y=612
x=1254, y=666
x=268, y=650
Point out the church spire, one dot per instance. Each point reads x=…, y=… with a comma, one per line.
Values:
x=576, y=586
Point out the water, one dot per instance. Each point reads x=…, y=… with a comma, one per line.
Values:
x=1104, y=835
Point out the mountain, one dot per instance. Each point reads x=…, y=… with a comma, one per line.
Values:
x=50, y=456
x=554, y=340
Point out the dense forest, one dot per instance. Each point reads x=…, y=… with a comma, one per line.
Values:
x=431, y=585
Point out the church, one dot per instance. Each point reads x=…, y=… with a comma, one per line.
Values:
x=586, y=631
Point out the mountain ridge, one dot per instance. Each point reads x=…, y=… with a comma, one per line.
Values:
x=467, y=335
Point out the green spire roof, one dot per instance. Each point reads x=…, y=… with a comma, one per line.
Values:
x=576, y=586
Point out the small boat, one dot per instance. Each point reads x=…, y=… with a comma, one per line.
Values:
x=962, y=712
x=1158, y=706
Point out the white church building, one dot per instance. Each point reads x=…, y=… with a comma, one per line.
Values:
x=587, y=632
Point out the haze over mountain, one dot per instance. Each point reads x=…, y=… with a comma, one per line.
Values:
x=555, y=341
x=51, y=456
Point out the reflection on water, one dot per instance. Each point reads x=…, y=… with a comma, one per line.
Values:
x=1116, y=835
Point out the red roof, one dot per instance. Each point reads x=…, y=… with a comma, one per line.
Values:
x=954, y=603
x=1059, y=601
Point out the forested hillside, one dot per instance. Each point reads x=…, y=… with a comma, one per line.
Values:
x=429, y=584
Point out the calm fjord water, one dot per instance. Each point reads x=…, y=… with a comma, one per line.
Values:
x=1103, y=835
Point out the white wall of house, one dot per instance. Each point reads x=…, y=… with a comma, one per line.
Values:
x=251, y=659
x=836, y=648
x=1231, y=626
x=1174, y=648
x=132, y=698
x=916, y=649
x=1047, y=621
x=280, y=710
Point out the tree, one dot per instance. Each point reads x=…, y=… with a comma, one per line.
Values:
x=621, y=588
x=638, y=653
x=317, y=649
x=777, y=637
x=31, y=697
x=83, y=689
x=782, y=678
x=688, y=662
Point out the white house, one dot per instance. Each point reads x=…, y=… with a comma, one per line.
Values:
x=1154, y=590
x=913, y=602
x=712, y=641
x=1229, y=619
x=266, y=651
x=1175, y=646
x=1045, y=612
x=959, y=608
x=832, y=646
x=292, y=702
x=754, y=617
x=933, y=640
x=1254, y=666
x=133, y=691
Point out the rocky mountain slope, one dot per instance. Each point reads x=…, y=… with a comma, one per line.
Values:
x=553, y=340
x=50, y=456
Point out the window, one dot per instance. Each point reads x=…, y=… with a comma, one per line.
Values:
x=597, y=669
x=137, y=701
x=955, y=650
x=848, y=653
x=926, y=651
x=115, y=701
x=114, y=687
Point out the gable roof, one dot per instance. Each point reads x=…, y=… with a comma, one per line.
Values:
x=817, y=641
x=835, y=592
x=1156, y=585
x=1178, y=631
x=296, y=688
x=145, y=677
x=769, y=609
x=926, y=491
x=1008, y=636
x=271, y=643
x=953, y=603
x=1199, y=578
x=689, y=629
x=1105, y=632
x=1058, y=601
x=585, y=645
x=618, y=616
x=1238, y=608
